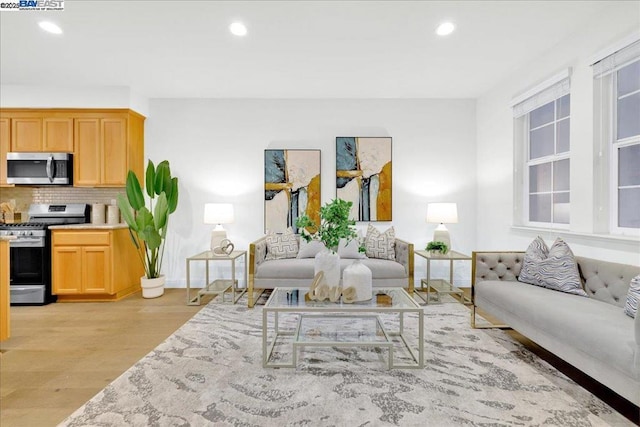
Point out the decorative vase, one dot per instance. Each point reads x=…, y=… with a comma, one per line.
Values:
x=152, y=288
x=358, y=276
x=329, y=263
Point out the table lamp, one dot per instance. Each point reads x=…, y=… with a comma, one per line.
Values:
x=218, y=213
x=441, y=213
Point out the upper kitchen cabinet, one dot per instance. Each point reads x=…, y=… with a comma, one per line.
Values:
x=106, y=147
x=5, y=142
x=41, y=132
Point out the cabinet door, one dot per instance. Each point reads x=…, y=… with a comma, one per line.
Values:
x=26, y=134
x=87, y=159
x=5, y=140
x=96, y=272
x=66, y=270
x=114, y=152
x=57, y=134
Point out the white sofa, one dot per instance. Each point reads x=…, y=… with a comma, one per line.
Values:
x=592, y=333
x=298, y=272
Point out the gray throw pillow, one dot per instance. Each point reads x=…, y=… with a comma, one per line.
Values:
x=554, y=268
x=633, y=297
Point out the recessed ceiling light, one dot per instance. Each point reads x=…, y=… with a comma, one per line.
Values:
x=50, y=27
x=238, y=29
x=445, y=29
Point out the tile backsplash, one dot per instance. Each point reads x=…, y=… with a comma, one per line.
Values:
x=24, y=196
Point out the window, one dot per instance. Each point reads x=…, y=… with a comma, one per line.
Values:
x=542, y=155
x=617, y=138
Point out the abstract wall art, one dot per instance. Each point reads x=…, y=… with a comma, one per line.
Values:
x=291, y=188
x=363, y=176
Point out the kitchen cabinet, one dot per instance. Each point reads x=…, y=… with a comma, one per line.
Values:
x=94, y=264
x=5, y=317
x=39, y=132
x=106, y=143
x=5, y=141
x=106, y=148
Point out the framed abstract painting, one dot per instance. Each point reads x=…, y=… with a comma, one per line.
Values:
x=363, y=176
x=291, y=188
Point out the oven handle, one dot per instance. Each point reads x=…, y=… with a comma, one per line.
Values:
x=27, y=243
x=50, y=168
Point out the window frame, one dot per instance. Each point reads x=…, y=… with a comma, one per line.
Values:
x=527, y=162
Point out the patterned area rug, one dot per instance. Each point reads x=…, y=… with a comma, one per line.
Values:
x=210, y=373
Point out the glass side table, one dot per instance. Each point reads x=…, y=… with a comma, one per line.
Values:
x=217, y=286
x=435, y=288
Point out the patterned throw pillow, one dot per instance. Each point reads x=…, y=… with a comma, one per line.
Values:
x=554, y=268
x=280, y=246
x=633, y=297
x=380, y=245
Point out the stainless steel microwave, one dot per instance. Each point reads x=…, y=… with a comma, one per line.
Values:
x=40, y=168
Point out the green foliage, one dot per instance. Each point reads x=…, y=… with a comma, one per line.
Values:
x=438, y=246
x=148, y=225
x=334, y=225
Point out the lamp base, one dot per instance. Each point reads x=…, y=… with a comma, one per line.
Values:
x=441, y=234
x=217, y=236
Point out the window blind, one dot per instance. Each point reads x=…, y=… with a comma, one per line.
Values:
x=542, y=97
x=616, y=60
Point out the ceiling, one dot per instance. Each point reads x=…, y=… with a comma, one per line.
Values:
x=294, y=49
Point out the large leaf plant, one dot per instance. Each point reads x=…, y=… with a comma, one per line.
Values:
x=148, y=225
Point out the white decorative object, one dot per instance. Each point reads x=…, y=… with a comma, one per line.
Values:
x=329, y=263
x=218, y=213
x=441, y=213
x=152, y=288
x=358, y=276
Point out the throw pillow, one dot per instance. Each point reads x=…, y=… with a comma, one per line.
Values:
x=633, y=297
x=380, y=245
x=351, y=250
x=310, y=249
x=554, y=268
x=280, y=246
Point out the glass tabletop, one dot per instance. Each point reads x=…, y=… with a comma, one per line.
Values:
x=295, y=298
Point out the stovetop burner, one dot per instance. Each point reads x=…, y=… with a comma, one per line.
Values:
x=24, y=226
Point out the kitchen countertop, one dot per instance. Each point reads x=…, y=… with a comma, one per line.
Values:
x=88, y=226
x=7, y=238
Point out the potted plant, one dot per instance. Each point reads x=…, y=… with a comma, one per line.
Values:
x=148, y=225
x=334, y=225
x=437, y=248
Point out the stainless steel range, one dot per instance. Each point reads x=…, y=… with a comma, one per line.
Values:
x=30, y=252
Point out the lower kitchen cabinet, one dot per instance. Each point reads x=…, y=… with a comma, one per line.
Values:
x=94, y=264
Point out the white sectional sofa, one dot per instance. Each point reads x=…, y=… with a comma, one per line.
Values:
x=592, y=333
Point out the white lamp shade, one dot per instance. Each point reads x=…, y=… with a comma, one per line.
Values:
x=218, y=213
x=442, y=213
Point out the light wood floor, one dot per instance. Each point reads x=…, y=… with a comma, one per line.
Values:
x=60, y=355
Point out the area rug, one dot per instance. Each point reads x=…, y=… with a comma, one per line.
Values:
x=210, y=372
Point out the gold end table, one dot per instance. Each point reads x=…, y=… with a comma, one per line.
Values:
x=217, y=286
x=440, y=286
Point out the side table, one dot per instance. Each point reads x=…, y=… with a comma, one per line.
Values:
x=440, y=286
x=217, y=286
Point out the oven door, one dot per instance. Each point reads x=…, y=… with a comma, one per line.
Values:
x=29, y=272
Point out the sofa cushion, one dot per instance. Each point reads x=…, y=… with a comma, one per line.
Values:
x=586, y=325
x=281, y=246
x=554, y=268
x=631, y=306
x=304, y=268
x=380, y=245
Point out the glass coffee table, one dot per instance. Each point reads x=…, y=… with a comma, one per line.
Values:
x=289, y=323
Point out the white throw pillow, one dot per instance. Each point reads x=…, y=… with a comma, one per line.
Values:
x=633, y=297
x=351, y=250
x=554, y=268
x=310, y=249
x=280, y=246
x=380, y=245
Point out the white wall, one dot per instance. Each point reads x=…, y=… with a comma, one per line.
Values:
x=495, y=144
x=216, y=148
x=27, y=96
